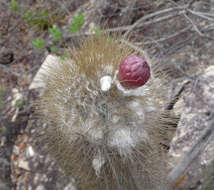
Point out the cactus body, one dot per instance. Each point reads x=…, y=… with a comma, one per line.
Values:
x=107, y=137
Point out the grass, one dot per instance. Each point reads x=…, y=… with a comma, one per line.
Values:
x=2, y=90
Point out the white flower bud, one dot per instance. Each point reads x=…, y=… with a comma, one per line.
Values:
x=105, y=83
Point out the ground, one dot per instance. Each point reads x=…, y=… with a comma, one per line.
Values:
x=176, y=34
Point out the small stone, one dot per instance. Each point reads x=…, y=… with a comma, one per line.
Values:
x=40, y=187
x=3, y=141
x=24, y=165
x=70, y=186
x=6, y=56
x=16, y=150
x=30, y=151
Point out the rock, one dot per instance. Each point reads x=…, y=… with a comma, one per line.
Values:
x=195, y=119
x=36, y=169
x=49, y=61
x=30, y=151
x=6, y=56
x=40, y=187
x=16, y=103
x=24, y=165
x=4, y=169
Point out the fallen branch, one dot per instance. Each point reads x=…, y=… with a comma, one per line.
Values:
x=196, y=28
x=7, y=70
x=170, y=36
x=202, y=15
x=149, y=16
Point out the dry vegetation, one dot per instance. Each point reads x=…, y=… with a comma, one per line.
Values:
x=178, y=34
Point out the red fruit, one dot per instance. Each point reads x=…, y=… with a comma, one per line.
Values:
x=134, y=72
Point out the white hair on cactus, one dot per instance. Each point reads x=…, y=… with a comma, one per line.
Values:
x=97, y=163
x=95, y=134
x=124, y=139
x=115, y=119
x=137, y=107
x=109, y=68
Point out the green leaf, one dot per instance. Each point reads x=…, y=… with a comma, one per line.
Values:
x=54, y=48
x=28, y=15
x=14, y=5
x=38, y=43
x=3, y=129
x=55, y=32
x=43, y=13
x=19, y=104
x=39, y=19
x=2, y=90
x=77, y=23
x=1, y=104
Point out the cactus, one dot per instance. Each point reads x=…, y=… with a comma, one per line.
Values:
x=105, y=131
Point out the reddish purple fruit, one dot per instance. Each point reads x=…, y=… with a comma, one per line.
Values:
x=134, y=72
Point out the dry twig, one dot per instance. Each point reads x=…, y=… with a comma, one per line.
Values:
x=8, y=70
x=149, y=16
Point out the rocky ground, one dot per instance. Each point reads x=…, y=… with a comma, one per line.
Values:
x=181, y=38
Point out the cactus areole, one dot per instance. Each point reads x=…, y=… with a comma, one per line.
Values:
x=134, y=72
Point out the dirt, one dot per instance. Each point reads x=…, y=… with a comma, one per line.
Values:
x=187, y=52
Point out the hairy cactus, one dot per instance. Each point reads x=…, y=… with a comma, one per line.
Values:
x=105, y=127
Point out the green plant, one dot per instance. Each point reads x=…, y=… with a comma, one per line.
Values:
x=57, y=35
x=77, y=23
x=43, y=18
x=55, y=32
x=14, y=5
x=38, y=43
x=4, y=129
x=2, y=90
x=54, y=49
x=19, y=104
x=38, y=18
